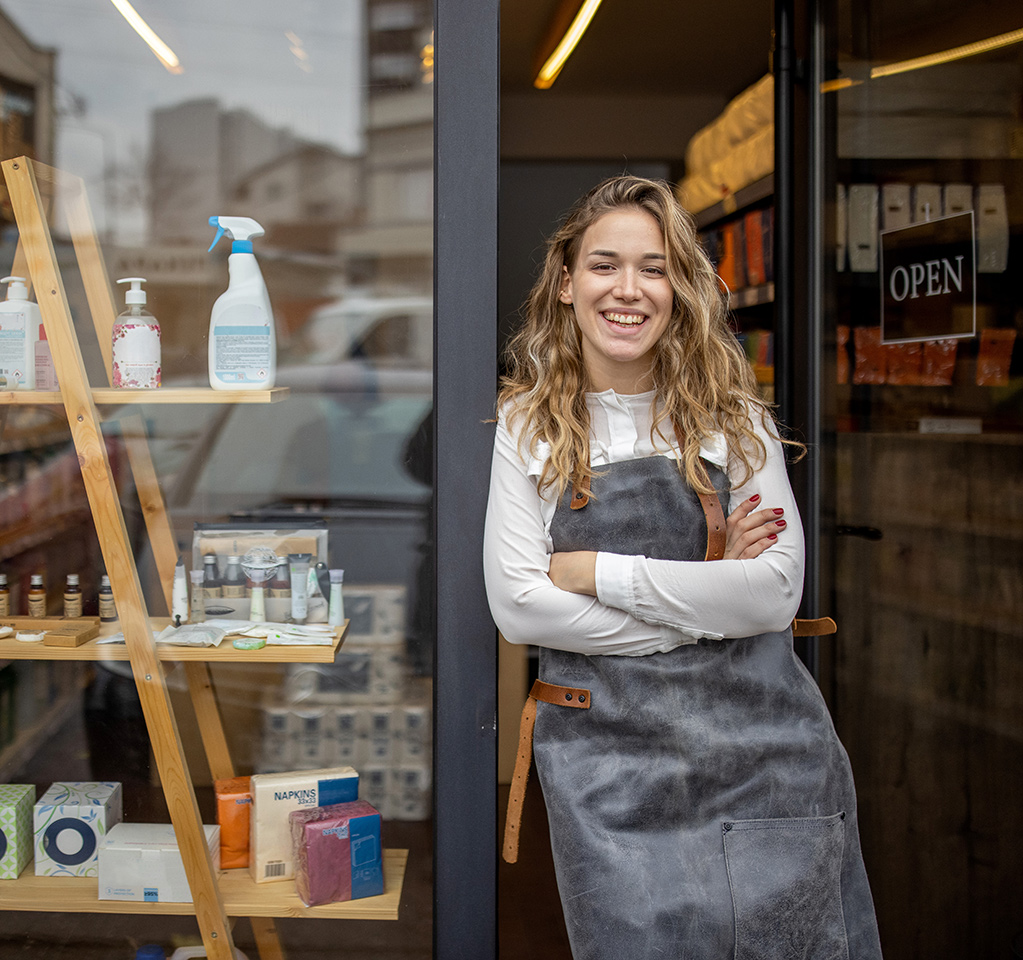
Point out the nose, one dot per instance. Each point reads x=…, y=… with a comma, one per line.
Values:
x=628, y=287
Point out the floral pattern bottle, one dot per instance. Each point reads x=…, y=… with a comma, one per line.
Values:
x=136, y=342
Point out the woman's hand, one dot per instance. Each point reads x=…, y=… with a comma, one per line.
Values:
x=749, y=532
x=575, y=571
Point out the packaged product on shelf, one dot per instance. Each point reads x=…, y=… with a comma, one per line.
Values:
x=142, y=862
x=338, y=853
x=380, y=735
x=414, y=732
x=16, y=801
x=375, y=787
x=135, y=342
x=69, y=821
x=376, y=611
x=348, y=735
x=409, y=792
x=19, y=321
x=274, y=796
x=234, y=809
x=311, y=745
x=223, y=541
x=242, y=339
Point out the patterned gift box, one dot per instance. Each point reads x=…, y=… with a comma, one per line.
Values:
x=16, y=801
x=70, y=821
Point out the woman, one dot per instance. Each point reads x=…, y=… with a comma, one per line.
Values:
x=700, y=804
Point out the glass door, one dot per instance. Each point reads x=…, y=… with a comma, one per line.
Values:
x=924, y=412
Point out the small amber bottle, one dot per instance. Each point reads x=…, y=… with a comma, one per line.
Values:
x=37, y=596
x=72, y=597
x=107, y=609
x=5, y=596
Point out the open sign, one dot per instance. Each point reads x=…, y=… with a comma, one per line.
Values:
x=928, y=280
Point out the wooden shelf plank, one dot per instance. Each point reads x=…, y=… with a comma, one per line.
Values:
x=112, y=395
x=241, y=895
x=11, y=649
x=735, y=202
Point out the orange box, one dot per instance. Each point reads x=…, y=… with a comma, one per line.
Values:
x=234, y=806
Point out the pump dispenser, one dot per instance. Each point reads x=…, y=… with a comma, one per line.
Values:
x=243, y=342
x=136, y=341
x=19, y=321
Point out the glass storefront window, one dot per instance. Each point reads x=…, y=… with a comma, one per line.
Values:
x=316, y=121
x=927, y=419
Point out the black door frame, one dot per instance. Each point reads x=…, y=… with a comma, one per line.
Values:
x=466, y=156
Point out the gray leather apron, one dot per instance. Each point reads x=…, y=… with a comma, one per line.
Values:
x=702, y=806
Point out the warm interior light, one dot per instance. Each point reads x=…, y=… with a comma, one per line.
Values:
x=944, y=56
x=841, y=83
x=550, y=70
x=163, y=53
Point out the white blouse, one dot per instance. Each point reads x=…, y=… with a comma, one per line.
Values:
x=642, y=606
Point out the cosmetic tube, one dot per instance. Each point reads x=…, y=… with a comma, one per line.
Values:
x=336, y=613
x=179, y=595
x=197, y=607
x=298, y=565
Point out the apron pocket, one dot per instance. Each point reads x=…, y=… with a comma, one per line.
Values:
x=785, y=879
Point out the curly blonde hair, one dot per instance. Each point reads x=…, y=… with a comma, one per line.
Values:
x=703, y=381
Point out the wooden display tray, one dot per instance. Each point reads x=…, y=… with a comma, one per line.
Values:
x=11, y=649
x=106, y=395
x=58, y=631
x=242, y=896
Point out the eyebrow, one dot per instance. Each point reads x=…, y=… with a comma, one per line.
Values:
x=612, y=253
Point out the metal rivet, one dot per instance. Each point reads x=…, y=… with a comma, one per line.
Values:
x=582, y=698
x=726, y=827
x=578, y=496
x=149, y=676
x=80, y=418
x=16, y=167
x=568, y=696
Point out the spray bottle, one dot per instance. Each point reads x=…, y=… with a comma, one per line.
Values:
x=243, y=342
x=136, y=342
x=19, y=321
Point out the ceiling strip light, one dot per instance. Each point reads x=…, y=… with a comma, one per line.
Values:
x=944, y=56
x=550, y=70
x=163, y=53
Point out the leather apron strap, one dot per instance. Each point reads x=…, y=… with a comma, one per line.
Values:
x=562, y=696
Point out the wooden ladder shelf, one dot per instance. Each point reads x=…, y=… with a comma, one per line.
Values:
x=215, y=898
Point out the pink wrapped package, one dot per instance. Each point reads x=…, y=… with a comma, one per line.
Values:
x=337, y=852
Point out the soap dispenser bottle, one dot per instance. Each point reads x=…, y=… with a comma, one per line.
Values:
x=19, y=321
x=243, y=342
x=136, y=342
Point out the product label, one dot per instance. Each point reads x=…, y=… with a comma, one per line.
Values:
x=72, y=604
x=241, y=352
x=107, y=609
x=5, y=604
x=136, y=356
x=13, y=364
x=233, y=590
x=37, y=604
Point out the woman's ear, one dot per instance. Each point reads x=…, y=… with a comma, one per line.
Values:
x=565, y=295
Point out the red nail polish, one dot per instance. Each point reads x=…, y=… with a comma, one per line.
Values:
x=778, y=511
x=780, y=523
x=772, y=536
x=754, y=498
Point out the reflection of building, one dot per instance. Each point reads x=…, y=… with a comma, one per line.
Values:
x=26, y=99
x=303, y=198
x=393, y=252
x=199, y=155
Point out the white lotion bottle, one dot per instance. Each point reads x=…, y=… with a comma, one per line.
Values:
x=242, y=341
x=19, y=321
x=135, y=342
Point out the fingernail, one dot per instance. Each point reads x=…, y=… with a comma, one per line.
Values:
x=778, y=511
x=772, y=536
x=780, y=523
x=754, y=498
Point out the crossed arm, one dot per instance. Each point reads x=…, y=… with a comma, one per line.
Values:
x=603, y=603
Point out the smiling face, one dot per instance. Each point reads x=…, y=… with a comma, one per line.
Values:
x=621, y=297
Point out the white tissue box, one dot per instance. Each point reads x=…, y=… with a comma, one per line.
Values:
x=141, y=861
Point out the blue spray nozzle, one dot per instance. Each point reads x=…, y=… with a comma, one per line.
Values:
x=239, y=229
